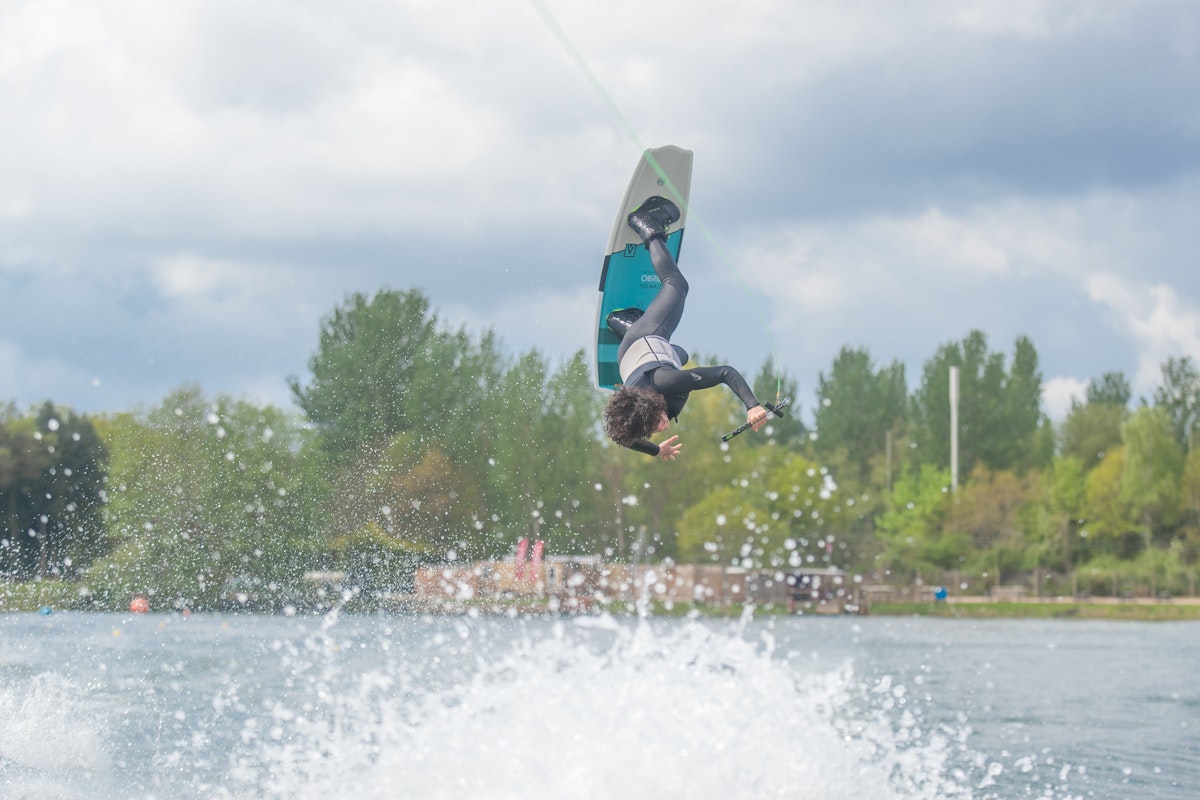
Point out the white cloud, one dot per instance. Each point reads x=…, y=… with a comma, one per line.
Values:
x=35, y=379
x=1057, y=394
x=164, y=119
x=1162, y=325
x=959, y=243
x=904, y=284
x=15, y=204
x=555, y=323
x=193, y=184
x=186, y=275
x=1025, y=19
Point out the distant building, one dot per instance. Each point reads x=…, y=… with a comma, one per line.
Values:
x=577, y=582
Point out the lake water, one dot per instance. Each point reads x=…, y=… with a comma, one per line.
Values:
x=363, y=707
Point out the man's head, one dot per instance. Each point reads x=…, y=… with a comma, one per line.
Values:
x=633, y=414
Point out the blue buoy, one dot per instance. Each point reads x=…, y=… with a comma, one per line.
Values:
x=45, y=611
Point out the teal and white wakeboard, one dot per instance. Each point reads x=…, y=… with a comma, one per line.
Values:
x=628, y=279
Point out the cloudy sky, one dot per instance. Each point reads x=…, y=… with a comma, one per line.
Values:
x=187, y=188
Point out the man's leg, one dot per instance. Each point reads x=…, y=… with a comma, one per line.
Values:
x=666, y=309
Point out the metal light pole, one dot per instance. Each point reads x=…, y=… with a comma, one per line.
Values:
x=954, y=429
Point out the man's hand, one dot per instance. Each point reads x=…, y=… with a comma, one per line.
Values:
x=757, y=417
x=669, y=448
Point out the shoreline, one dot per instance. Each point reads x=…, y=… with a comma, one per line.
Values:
x=1127, y=611
x=1112, y=608
x=54, y=597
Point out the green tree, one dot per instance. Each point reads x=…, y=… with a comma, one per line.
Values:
x=988, y=507
x=23, y=458
x=519, y=437
x=1190, y=491
x=1091, y=430
x=996, y=510
x=911, y=529
x=569, y=440
x=382, y=367
x=73, y=482
x=207, y=505
x=999, y=421
x=52, y=472
x=1111, y=388
x=724, y=527
x=1021, y=412
x=1179, y=397
x=783, y=512
x=858, y=407
x=1152, y=480
x=771, y=385
x=396, y=510
x=1068, y=486
x=512, y=460
x=540, y=454
x=1107, y=526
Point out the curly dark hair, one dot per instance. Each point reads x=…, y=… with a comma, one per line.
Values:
x=633, y=414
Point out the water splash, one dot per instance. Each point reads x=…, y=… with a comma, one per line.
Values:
x=48, y=748
x=145, y=708
x=599, y=708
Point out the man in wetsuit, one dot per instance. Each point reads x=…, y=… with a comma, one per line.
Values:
x=655, y=384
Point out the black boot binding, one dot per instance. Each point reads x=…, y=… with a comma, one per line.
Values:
x=653, y=217
x=621, y=320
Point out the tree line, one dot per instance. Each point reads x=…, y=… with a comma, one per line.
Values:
x=414, y=443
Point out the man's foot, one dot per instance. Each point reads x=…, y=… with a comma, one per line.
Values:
x=653, y=217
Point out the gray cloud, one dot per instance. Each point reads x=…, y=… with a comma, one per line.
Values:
x=186, y=189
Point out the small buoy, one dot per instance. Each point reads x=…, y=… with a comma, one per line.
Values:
x=140, y=605
x=45, y=611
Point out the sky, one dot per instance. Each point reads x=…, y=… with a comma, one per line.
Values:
x=187, y=189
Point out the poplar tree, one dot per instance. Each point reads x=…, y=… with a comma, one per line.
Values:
x=1111, y=388
x=1179, y=396
x=1093, y=428
x=382, y=367
x=999, y=408
x=858, y=405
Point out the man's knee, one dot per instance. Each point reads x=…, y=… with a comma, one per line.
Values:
x=677, y=282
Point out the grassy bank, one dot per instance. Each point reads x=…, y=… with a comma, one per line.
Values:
x=32, y=595
x=1151, y=612
x=62, y=595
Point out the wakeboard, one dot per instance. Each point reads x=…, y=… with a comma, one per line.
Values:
x=627, y=279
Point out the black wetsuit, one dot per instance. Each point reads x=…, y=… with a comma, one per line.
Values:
x=662, y=374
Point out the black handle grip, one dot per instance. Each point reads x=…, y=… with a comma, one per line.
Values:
x=777, y=410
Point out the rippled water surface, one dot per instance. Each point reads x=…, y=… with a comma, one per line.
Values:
x=362, y=707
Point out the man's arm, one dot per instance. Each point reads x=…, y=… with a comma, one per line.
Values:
x=666, y=451
x=682, y=381
x=679, y=383
x=645, y=446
